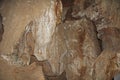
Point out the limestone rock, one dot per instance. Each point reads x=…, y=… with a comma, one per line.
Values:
x=85, y=46
x=83, y=49
x=28, y=27
x=10, y=72
x=72, y=46
x=104, y=13
x=32, y=72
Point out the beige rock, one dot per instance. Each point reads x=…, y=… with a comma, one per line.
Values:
x=72, y=48
x=29, y=26
x=32, y=72
x=10, y=72
x=69, y=50
x=83, y=49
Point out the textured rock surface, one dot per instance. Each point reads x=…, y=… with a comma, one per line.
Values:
x=84, y=46
x=28, y=28
x=104, y=14
x=10, y=72
x=82, y=51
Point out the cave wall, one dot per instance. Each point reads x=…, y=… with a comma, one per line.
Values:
x=67, y=40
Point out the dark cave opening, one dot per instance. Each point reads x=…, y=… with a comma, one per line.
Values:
x=67, y=3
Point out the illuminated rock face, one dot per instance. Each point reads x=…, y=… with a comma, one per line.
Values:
x=29, y=26
x=85, y=46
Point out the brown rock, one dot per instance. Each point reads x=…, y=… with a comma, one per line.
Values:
x=84, y=47
x=32, y=72
x=10, y=72
x=28, y=27
x=1, y=28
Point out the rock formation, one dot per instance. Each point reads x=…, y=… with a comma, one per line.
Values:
x=59, y=39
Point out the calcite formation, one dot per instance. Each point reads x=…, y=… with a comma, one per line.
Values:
x=81, y=50
x=60, y=40
x=29, y=26
x=104, y=14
